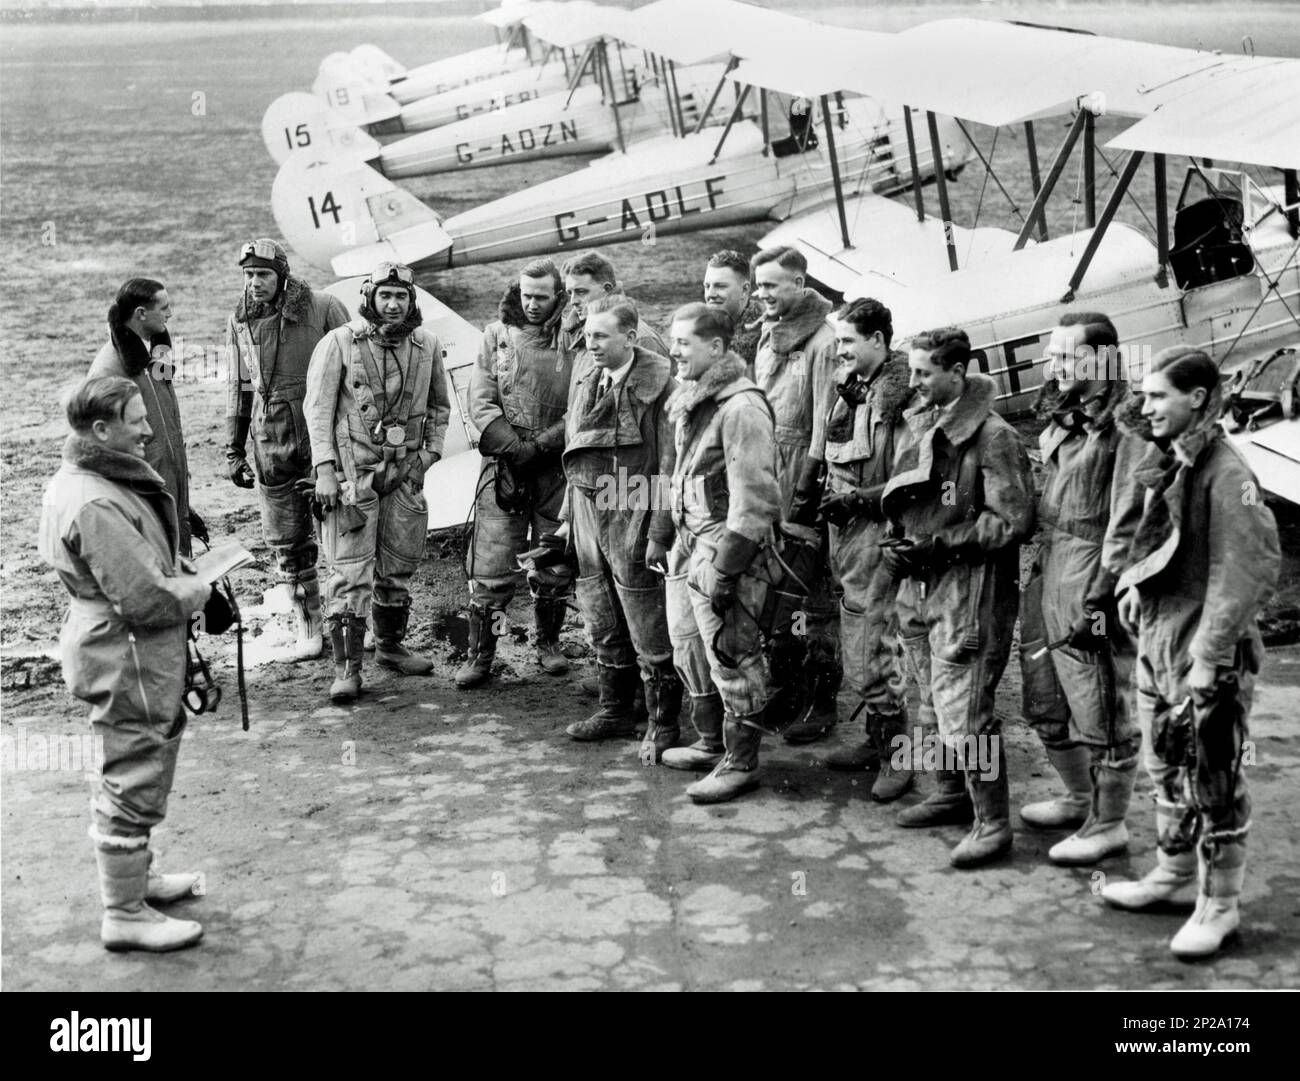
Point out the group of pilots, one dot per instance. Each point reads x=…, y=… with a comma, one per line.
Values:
x=765, y=515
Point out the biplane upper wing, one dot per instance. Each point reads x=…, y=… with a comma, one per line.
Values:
x=1247, y=114
x=717, y=29
x=513, y=12
x=1023, y=72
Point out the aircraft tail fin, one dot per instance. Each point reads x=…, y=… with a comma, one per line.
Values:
x=344, y=215
x=354, y=92
x=374, y=59
x=302, y=122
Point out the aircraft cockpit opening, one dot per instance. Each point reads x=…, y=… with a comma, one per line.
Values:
x=1209, y=242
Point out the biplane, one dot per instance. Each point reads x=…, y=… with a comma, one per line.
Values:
x=1221, y=276
x=346, y=215
x=601, y=110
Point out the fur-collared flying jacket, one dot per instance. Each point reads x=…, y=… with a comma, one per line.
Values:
x=1205, y=557
x=724, y=477
x=861, y=443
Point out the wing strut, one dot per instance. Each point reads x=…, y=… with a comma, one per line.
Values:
x=613, y=97
x=676, y=96
x=1053, y=175
x=1291, y=188
x=1162, y=221
x=1031, y=151
x=941, y=182
x=916, y=168
x=762, y=112
x=731, y=120
x=835, y=172
x=1107, y=213
x=717, y=93
x=1090, y=168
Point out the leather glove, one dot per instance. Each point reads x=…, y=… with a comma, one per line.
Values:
x=840, y=508
x=524, y=454
x=198, y=527
x=306, y=487
x=733, y=556
x=240, y=472
x=807, y=492
x=237, y=467
x=498, y=439
x=911, y=557
x=414, y=469
x=558, y=551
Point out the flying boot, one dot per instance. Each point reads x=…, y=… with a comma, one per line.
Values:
x=706, y=752
x=663, y=699
x=990, y=836
x=1173, y=879
x=737, y=772
x=347, y=633
x=129, y=923
x=1222, y=870
x=1073, y=764
x=618, y=715
x=1105, y=832
x=890, y=783
x=549, y=614
x=481, y=648
x=390, y=622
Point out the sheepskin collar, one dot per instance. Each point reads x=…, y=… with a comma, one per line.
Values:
x=803, y=321
x=291, y=302
x=888, y=393
x=714, y=383
x=1068, y=414
x=511, y=312
x=135, y=356
x=891, y=388
x=93, y=456
x=962, y=423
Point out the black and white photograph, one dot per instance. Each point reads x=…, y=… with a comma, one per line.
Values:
x=688, y=495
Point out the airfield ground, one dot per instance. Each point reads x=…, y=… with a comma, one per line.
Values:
x=432, y=838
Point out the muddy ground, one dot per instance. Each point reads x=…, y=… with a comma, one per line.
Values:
x=429, y=838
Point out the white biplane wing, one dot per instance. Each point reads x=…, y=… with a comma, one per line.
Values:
x=1246, y=113
x=1024, y=73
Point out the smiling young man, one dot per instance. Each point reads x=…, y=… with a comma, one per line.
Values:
x=962, y=498
x=726, y=506
x=864, y=434
x=1204, y=561
x=518, y=394
x=618, y=456
x=589, y=277
x=1076, y=695
x=377, y=411
x=795, y=365
x=109, y=529
x=140, y=349
x=276, y=326
x=727, y=286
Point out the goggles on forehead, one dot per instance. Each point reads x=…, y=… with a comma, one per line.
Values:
x=388, y=272
x=262, y=249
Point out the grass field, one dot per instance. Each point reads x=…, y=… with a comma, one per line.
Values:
x=134, y=148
